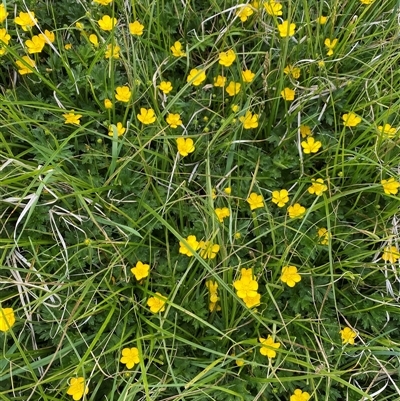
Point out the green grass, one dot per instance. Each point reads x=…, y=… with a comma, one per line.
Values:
x=79, y=208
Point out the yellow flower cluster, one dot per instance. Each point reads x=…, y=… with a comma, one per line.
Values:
x=246, y=288
x=207, y=249
x=212, y=287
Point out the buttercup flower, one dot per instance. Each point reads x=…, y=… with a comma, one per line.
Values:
x=106, y=23
x=292, y=71
x=26, y=69
x=3, y=13
x=288, y=94
x=305, y=131
x=228, y=190
x=248, y=76
x=141, y=270
x=324, y=236
x=136, y=28
x=311, y=145
x=4, y=39
x=351, y=119
x=273, y=8
x=386, y=130
x=296, y=210
x=249, y=120
x=348, y=335
x=367, y=1
x=177, y=50
x=391, y=254
x=390, y=186
x=173, y=120
x=246, y=287
x=290, y=275
x=227, y=58
x=123, y=93
x=165, y=87
x=94, y=40
x=233, y=88
x=255, y=201
x=251, y=302
x=235, y=108
x=280, y=197
x=130, y=357
x=196, y=77
x=317, y=187
x=194, y=244
x=68, y=46
x=112, y=51
x=157, y=303
x=120, y=130
x=7, y=319
x=268, y=347
x=222, y=213
x=146, y=116
x=208, y=250
x=103, y=2
x=286, y=29
x=322, y=20
x=244, y=12
x=48, y=36
x=212, y=287
x=26, y=20
x=330, y=44
x=185, y=146
x=298, y=395
x=77, y=388
x=219, y=81
x=35, y=45
x=72, y=118
x=108, y=104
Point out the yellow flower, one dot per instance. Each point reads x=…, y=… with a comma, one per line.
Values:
x=237, y=235
x=305, y=131
x=174, y=120
x=222, y=213
x=108, y=104
x=255, y=201
x=227, y=58
x=157, y=303
x=292, y=71
x=235, y=109
x=94, y=40
x=233, y=88
x=286, y=29
x=141, y=270
x=26, y=69
x=330, y=44
x=112, y=51
x=3, y=13
x=249, y=120
x=280, y=197
x=268, y=347
x=251, y=302
x=311, y=145
x=194, y=244
x=185, y=146
x=390, y=186
x=351, y=119
x=273, y=8
x=244, y=12
x=4, y=39
x=103, y=2
x=219, y=81
x=246, y=287
x=208, y=250
x=120, y=130
x=228, y=190
x=367, y=1
x=26, y=20
x=248, y=76
x=79, y=26
x=196, y=77
x=35, y=45
x=296, y=210
x=391, y=254
x=288, y=94
x=77, y=388
x=48, y=36
x=299, y=396
x=348, y=335
x=290, y=275
x=72, y=118
x=68, y=46
x=146, y=116
x=106, y=23
x=322, y=20
x=123, y=93
x=387, y=130
x=239, y=362
x=136, y=28
x=317, y=187
x=130, y=357
x=177, y=50
x=7, y=319
x=212, y=288
x=165, y=87
x=324, y=236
